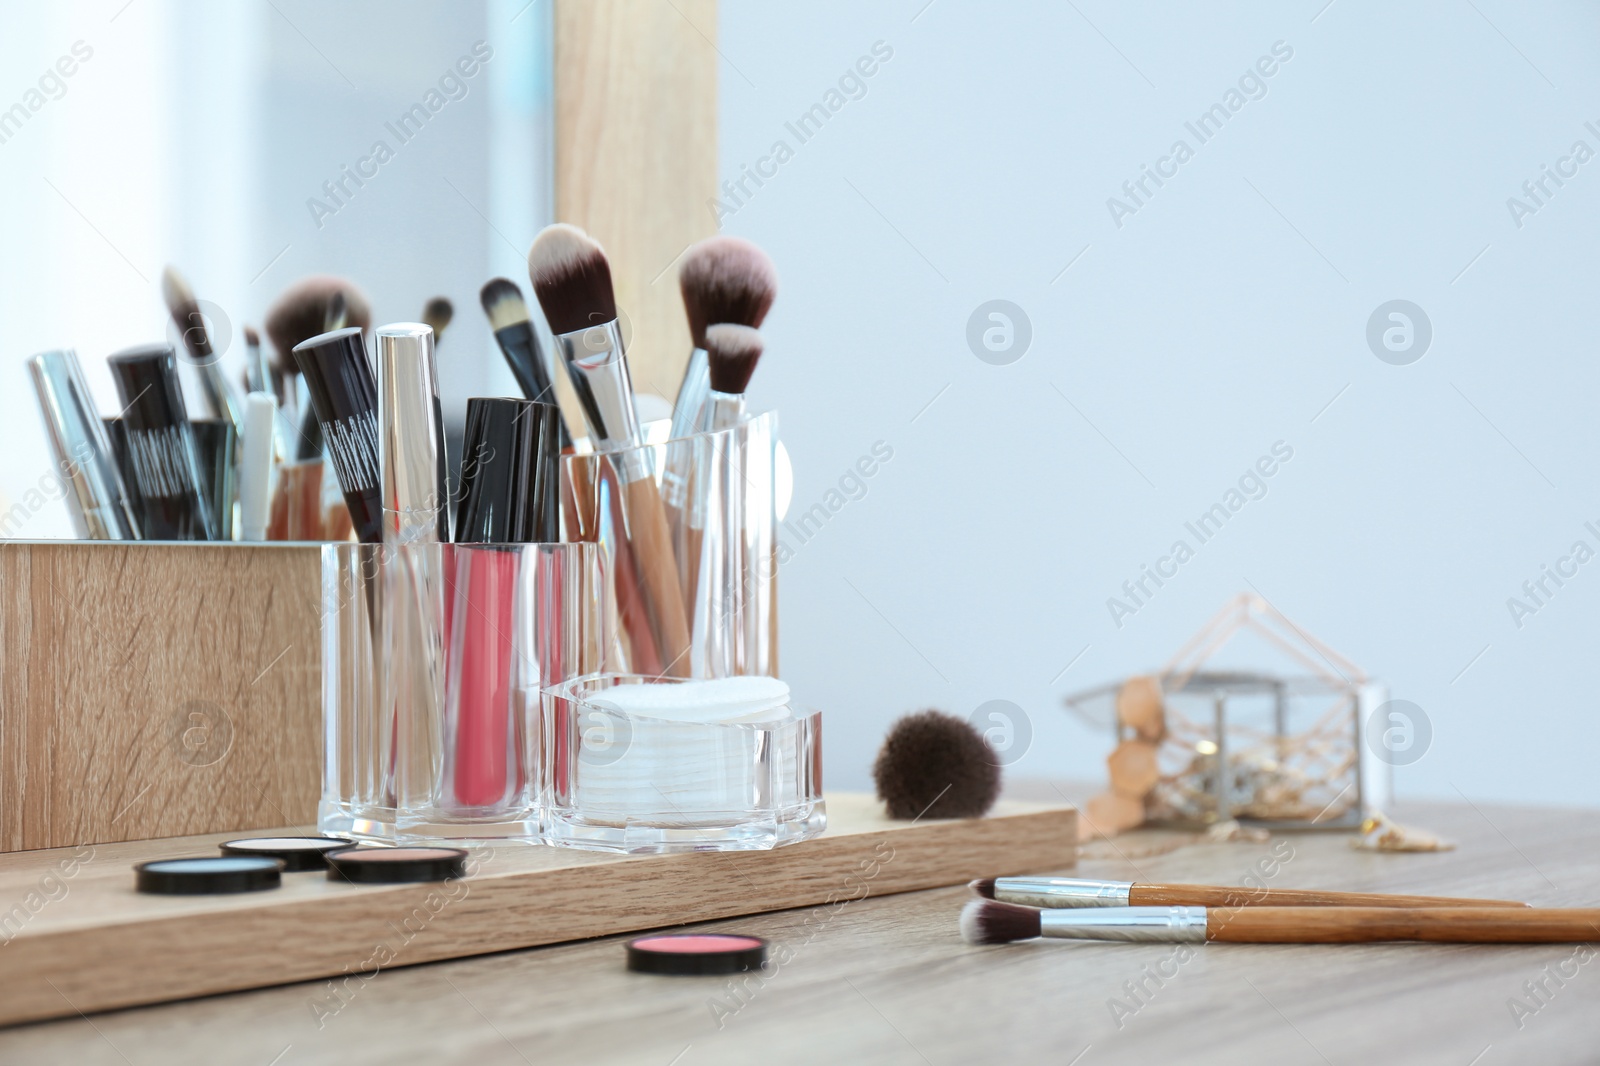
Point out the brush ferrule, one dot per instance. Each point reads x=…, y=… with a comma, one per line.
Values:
x=599, y=372
x=1144, y=924
x=727, y=409
x=691, y=395
x=1053, y=892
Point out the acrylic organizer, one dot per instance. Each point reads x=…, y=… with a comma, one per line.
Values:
x=434, y=658
x=629, y=770
x=718, y=615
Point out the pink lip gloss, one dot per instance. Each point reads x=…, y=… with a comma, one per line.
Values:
x=509, y=496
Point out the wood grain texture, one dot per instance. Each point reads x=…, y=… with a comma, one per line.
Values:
x=103, y=945
x=636, y=158
x=888, y=980
x=155, y=690
x=1356, y=925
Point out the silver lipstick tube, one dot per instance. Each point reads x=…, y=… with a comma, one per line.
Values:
x=1057, y=892
x=1166, y=925
x=411, y=437
x=596, y=363
x=95, y=495
x=416, y=521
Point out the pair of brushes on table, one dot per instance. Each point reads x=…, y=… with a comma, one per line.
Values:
x=1074, y=909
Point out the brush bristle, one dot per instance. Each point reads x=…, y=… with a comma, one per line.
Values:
x=437, y=314
x=503, y=303
x=185, y=312
x=302, y=312
x=983, y=886
x=725, y=279
x=571, y=279
x=251, y=337
x=986, y=921
x=936, y=765
x=732, y=353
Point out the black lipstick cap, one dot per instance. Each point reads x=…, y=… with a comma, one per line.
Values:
x=160, y=444
x=510, y=473
x=345, y=396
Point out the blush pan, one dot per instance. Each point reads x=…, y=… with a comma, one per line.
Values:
x=696, y=953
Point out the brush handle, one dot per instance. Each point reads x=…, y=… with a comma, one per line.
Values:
x=1141, y=895
x=1356, y=925
x=658, y=571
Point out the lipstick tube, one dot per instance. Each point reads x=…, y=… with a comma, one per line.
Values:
x=340, y=383
x=509, y=496
x=95, y=497
x=161, y=445
x=415, y=522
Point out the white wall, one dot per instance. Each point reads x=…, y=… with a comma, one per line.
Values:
x=1225, y=315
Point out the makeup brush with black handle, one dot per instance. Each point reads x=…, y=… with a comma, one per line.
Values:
x=572, y=281
x=987, y=921
x=1073, y=892
x=513, y=331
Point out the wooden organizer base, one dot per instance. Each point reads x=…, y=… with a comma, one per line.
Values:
x=76, y=937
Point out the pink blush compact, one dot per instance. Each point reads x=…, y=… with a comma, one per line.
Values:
x=696, y=953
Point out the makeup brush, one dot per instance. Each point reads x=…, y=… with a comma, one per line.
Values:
x=987, y=921
x=436, y=315
x=722, y=279
x=513, y=330
x=1066, y=892
x=191, y=323
x=732, y=352
x=256, y=376
x=572, y=281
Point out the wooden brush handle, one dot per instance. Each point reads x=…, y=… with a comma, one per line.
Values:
x=1451, y=925
x=1238, y=896
x=647, y=529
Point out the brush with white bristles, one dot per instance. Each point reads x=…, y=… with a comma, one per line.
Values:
x=572, y=281
x=191, y=323
x=723, y=280
x=987, y=921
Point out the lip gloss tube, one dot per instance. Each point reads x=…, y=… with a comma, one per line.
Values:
x=95, y=497
x=509, y=496
x=161, y=447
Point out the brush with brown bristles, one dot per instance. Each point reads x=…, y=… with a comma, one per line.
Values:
x=191, y=323
x=1066, y=892
x=987, y=921
x=572, y=281
x=723, y=280
x=436, y=315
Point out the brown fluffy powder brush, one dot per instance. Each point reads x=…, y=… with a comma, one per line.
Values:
x=935, y=765
x=723, y=280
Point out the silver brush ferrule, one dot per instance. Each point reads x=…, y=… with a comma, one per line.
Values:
x=1052, y=892
x=596, y=363
x=1166, y=925
x=411, y=437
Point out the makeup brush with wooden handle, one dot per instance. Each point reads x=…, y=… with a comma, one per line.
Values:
x=1054, y=893
x=987, y=921
x=572, y=281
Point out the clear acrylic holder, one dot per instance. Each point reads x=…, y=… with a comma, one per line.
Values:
x=619, y=782
x=434, y=658
x=717, y=495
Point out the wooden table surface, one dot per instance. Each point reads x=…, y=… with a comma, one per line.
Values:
x=889, y=980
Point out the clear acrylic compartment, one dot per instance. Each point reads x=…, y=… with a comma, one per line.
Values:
x=434, y=658
x=701, y=509
x=620, y=782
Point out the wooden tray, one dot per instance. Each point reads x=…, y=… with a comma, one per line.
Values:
x=76, y=937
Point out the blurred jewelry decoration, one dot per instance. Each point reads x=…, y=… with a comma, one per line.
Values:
x=1200, y=747
x=1379, y=833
